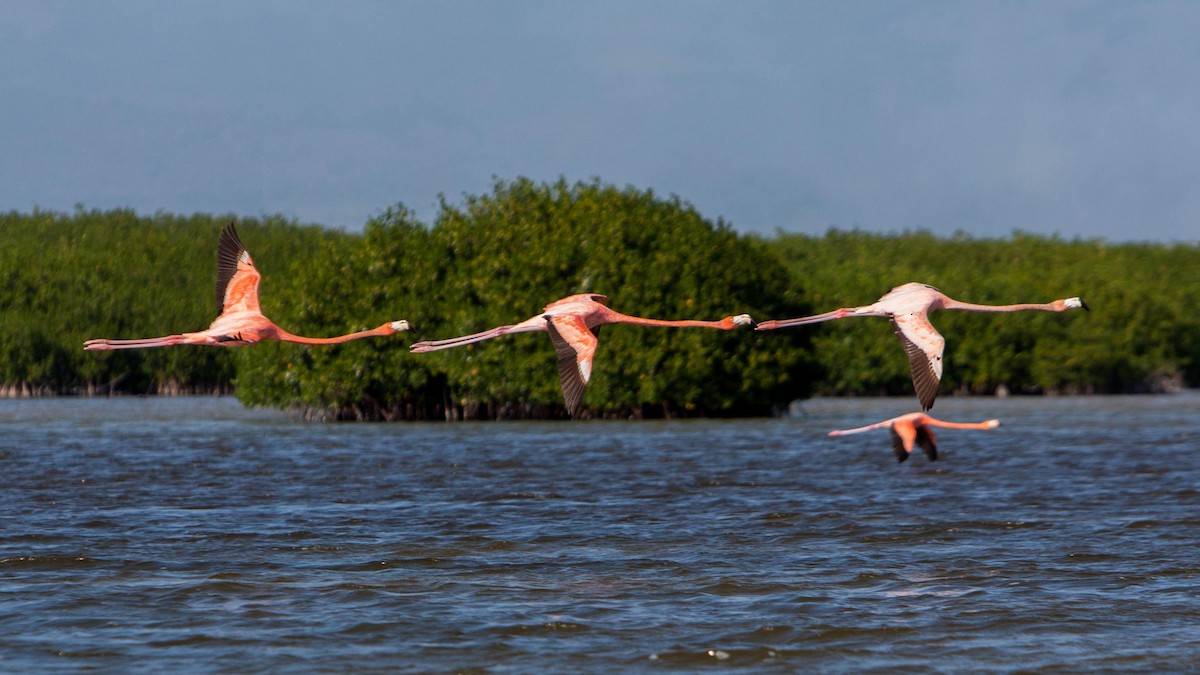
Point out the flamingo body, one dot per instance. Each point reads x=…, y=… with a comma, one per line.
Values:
x=908, y=307
x=915, y=430
x=574, y=326
x=239, y=320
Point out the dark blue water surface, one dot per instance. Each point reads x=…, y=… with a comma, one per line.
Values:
x=195, y=535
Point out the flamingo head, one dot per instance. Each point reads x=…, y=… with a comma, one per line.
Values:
x=1075, y=303
x=731, y=322
x=399, y=326
x=992, y=424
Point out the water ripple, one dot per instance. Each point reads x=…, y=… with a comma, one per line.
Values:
x=196, y=535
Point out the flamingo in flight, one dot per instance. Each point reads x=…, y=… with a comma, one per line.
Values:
x=908, y=308
x=240, y=321
x=914, y=429
x=574, y=325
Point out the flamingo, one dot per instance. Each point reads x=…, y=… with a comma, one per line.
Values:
x=574, y=325
x=908, y=308
x=239, y=321
x=914, y=428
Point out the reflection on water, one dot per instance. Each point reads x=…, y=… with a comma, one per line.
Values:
x=193, y=533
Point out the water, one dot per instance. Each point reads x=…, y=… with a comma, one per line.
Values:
x=194, y=535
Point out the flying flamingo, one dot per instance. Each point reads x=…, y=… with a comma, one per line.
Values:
x=908, y=307
x=574, y=324
x=914, y=428
x=239, y=322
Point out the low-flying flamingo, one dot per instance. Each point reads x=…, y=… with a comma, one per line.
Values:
x=914, y=429
x=574, y=325
x=239, y=322
x=908, y=307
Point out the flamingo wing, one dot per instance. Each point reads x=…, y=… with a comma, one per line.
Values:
x=927, y=442
x=575, y=345
x=237, y=280
x=924, y=346
x=898, y=446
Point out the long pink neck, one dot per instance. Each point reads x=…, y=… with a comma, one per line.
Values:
x=300, y=339
x=962, y=425
x=971, y=307
x=617, y=317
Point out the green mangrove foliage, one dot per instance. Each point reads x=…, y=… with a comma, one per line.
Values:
x=91, y=274
x=1140, y=336
x=498, y=258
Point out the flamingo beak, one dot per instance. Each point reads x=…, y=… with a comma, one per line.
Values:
x=400, y=326
x=743, y=320
x=1076, y=302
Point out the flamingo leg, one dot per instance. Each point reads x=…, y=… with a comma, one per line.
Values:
x=816, y=318
x=138, y=343
x=859, y=430
x=531, y=324
x=435, y=345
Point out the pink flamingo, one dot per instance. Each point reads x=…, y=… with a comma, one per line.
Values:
x=240, y=321
x=574, y=325
x=914, y=428
x=908, y=307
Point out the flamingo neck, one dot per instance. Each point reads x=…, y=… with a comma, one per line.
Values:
x=972, y=307
x=989, y=424
x=723, y=324
x=383, y=330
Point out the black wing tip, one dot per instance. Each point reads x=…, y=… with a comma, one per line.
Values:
x=572, y=390
x=925, y=440
x=569, y=377
x=926, y=397
x=229, y=236
x=229, y=252
x=898, y=446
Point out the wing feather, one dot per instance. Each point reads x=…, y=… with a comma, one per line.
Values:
x=927, y=442
x=898, y=446
x=575, y=346
x=237, y=280
x=924, y=347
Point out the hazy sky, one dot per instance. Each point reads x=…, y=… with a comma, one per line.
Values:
x=1076, y=118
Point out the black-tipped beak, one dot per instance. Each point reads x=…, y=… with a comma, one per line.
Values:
x=1084, y=305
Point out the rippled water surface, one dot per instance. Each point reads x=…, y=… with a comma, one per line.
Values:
x=192, y=534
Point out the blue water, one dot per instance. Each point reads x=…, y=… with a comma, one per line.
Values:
x=195, y=535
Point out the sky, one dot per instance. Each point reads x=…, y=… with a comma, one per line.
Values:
x=1075, y=119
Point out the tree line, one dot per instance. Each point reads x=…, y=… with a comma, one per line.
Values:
x=497, y=258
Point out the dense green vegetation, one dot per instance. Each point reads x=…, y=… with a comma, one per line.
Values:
x=498, y=258
x=1140, y=336
x=90, y=274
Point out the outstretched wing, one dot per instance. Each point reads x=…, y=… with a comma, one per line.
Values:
x=575, y=345
x=237, y=280
x=928, y=442
x=924, y=346
x=898, y=446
